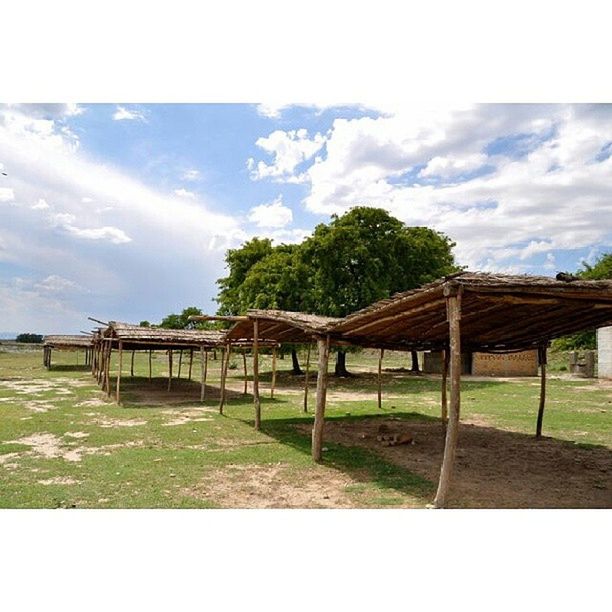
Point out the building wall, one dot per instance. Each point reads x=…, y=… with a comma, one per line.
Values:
x=604, y=352
x=524, y=363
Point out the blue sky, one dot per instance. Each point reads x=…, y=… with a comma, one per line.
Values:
x=125, y=211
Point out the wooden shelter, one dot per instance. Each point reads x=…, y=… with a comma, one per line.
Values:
x=127, y=337
x=476, y=312
x=480, y=312
x=73, y=343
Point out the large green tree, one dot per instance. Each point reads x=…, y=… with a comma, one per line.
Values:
x=278, y=280
x=239, y=261
x=356, y=259
x=366, y=255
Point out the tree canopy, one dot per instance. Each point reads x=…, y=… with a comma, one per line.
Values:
x=367, y=255
x=358, y=258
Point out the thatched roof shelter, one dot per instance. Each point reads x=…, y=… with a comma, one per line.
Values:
x=474, y=311
x=135, y=337
x=499, y=313
x=67, y=342
x=279, y=326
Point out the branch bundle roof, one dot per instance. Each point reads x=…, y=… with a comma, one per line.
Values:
x=280, y=326
x=68, y=342
x=499, y=312
x=135, y=337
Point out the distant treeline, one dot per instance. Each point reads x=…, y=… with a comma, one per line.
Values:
x=29, y=338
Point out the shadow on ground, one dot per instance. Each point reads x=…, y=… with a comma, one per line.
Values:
x=494, y=468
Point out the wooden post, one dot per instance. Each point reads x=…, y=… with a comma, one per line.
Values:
x=224, y=365
x=49, y=360
x=150, y=368
x=169, y=369
x=190, y=362
x=306, y=376
x=180, y=363
x=453, y=310
x=317, y=429
x=118, y=384
x=132, y=365
x=204, y=369
x=380, y=359
x=108, y=365
x=443, y=401
x=256, y=401
x=244, y=364
x=273, y=373
x=542, y=360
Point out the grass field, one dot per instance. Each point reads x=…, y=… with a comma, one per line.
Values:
x=64, y=443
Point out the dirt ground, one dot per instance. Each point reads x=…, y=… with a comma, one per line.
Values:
x=493, y=468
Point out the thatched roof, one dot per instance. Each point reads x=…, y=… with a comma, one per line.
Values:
x=280, y=326
x=499, y=312
x=68, y=342
x=158, y=338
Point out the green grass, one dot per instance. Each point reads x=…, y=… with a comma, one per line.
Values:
x=129, y=456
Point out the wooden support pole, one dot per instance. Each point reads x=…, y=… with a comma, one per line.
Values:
x=169, y=369
x=380, y=360
x=180, y=363
x=256, y=400
x=190, y=362
x=542, y=360
x=317, y=429
x=453, y=309
x=203, y=372
x=132, y=365
x=108, y=365
x=224, y=366
x=244, y=364
x=273, y=373
x=306, y=377
x=118, y=383
x=443, y=400
x=50, y=351
x=150, y=365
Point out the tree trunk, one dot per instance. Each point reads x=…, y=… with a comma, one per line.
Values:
x=415, y=362
x=296, y=364
x=340, y=369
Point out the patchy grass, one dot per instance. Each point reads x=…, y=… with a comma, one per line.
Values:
x=64, y=443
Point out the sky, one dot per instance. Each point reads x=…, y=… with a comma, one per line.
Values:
x=125, y=211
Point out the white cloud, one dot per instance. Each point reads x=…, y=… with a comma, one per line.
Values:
x=6, y=194
x=183, y=193
x=54, y=284
x=191, y=175
x=124, y=114
x=275, y=214
x=86, y=200
x=447, y=167
x=112, y=234
x=288, y=149
x=40, y=205
x=546, y=186
x=170, y=237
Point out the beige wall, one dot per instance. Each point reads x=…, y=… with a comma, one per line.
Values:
x=509, y=364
